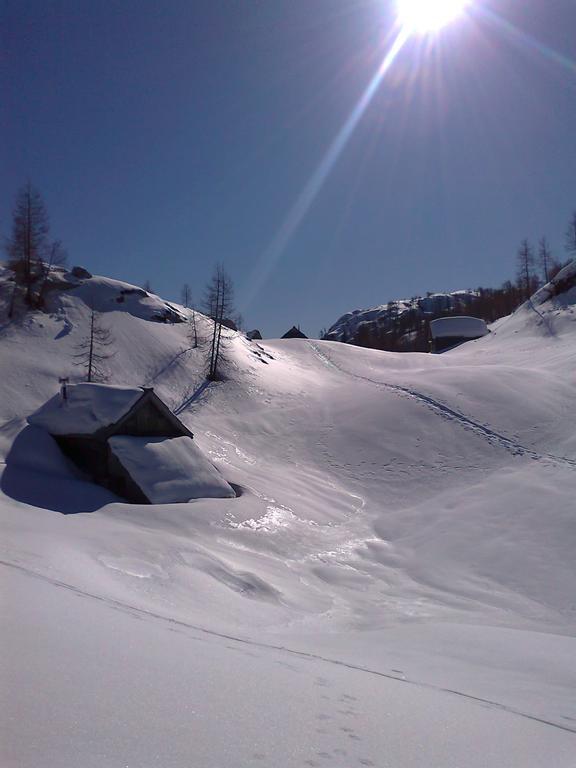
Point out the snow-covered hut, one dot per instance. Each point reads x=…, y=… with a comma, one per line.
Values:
x=294, y=333
x=449, y=332
x=128, y=440
x=254, y=335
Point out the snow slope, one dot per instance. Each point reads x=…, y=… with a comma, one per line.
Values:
x=394, y=586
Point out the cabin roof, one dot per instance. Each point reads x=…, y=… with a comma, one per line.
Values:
x=169, y=471
x=458, y=327
x=294, y=333
x=91, y=409
x=88, y=408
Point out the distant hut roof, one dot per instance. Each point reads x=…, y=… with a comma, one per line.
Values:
x=294, y=333
x=97, y=408
x=458, y=327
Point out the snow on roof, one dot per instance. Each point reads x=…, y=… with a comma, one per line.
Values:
x=458, y=327
x=169, y=470
x=88, y=408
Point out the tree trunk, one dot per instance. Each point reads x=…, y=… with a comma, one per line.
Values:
x=91, y=351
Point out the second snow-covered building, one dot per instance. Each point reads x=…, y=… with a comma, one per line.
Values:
x=450, y=332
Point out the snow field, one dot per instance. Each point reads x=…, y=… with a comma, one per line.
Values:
x=411, y=515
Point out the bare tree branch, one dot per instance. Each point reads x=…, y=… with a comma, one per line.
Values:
x=93, y=349
x=219, y=305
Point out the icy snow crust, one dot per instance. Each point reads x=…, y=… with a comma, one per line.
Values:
x=86, y=409
x=393, y=587
x=169, y=471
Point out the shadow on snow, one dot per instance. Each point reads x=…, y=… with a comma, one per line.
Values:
x=38, y=474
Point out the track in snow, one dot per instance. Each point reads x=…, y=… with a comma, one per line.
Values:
x=495, y=438
x=134, y=610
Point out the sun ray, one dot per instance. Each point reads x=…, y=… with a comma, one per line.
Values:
x=306, y=199
x=522, y=37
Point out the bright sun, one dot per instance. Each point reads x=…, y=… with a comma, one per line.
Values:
x=428, y=15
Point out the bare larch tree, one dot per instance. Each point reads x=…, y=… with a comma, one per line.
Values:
x=219, y=304
x=571, y=236
x=57, y=256
x=186, y=295
x=94, y=349
x=28, y=244
x=546, y=259
x=193, y=333
x=526, y=277
x=188, y=303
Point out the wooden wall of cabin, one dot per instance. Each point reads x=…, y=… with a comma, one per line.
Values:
x=149, y=421
x=443, y=343
x=120, y=482
x=88, y=454
x=95, y=458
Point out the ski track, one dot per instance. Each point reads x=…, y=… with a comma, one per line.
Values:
x=132, y=609
x=444, y=411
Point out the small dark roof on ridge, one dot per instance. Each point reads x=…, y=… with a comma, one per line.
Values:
x=294, y=333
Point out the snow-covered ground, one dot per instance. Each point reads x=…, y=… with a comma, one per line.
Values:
x=395, y=585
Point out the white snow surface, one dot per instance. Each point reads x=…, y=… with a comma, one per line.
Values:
x=86, y=409
x=169, y=471
x=395, y=585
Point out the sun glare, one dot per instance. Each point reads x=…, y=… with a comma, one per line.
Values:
x=422, y=16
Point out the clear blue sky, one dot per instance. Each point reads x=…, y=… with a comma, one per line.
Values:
x=167, y=136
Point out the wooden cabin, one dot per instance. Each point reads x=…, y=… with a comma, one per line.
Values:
x=127, y=440
x=254, y=335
